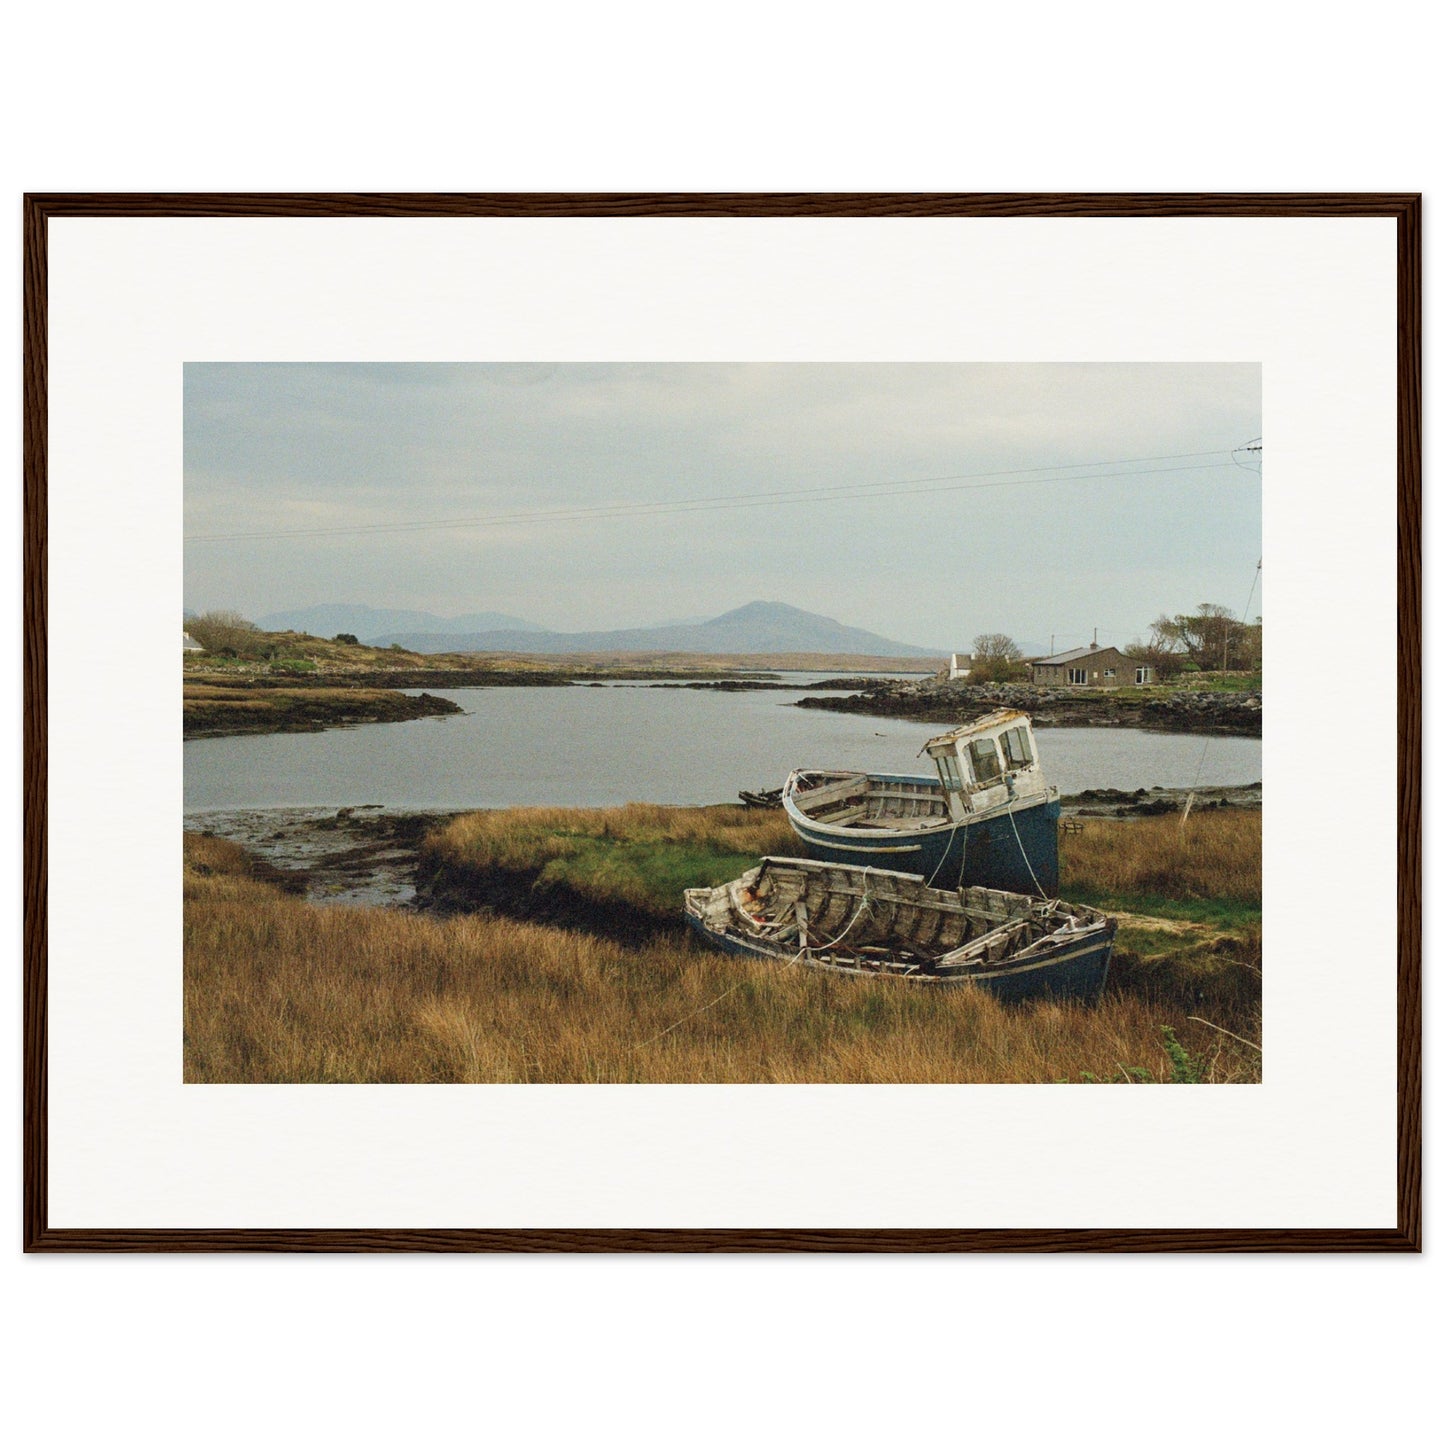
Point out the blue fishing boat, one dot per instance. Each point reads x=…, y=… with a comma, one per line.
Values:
x=871, y=922
x=987, y=819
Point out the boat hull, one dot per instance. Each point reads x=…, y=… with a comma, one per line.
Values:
x=1015, y=849
x=1064, y=971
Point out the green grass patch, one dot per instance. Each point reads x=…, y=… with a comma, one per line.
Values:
x=1221, y=913
x=646, y=875
x=642, y=855
x=1239, y=682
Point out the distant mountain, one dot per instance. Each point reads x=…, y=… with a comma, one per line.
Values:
x=371, y=623
x=757, y=627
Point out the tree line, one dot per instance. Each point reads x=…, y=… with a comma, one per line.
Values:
x=1209, y=639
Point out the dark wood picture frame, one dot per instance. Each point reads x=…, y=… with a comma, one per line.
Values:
x=1403, y=209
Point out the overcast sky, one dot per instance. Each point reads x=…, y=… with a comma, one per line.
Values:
x=911, y=500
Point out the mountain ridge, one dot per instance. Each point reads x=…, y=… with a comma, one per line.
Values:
x=370, y=623
x=755, y=627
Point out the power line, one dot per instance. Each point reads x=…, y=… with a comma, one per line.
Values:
x=843, y=491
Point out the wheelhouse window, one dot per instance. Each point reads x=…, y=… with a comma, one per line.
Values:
x=984, y=757
x=949, y=771
x=1016, y=748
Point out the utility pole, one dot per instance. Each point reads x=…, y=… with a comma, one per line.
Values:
x=1257, y=447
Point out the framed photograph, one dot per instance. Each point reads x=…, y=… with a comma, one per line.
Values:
x=722, y=722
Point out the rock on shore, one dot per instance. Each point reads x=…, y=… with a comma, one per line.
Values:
x=952, y=703
x=211, y=710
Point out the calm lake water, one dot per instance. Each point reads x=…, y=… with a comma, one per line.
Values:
x=592, y=746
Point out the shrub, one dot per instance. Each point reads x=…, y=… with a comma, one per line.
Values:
x=226, y=632
x=1182, y=1069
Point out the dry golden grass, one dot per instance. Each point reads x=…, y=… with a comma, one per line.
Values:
x=1211, y=855
x=278, y=991
x=520, y=837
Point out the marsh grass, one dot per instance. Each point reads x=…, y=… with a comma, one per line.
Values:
x=1206, y=867
x=278, y=991
x=642, y=855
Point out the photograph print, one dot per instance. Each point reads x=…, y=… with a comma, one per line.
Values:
x=723, y=723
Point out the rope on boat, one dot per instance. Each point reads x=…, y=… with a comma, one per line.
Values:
x=1027, y=863
x=863, y=903
x=948, y=848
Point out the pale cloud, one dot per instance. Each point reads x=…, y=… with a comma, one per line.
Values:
x=278, y=448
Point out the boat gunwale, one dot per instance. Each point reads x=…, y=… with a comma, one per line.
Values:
x=922, y=826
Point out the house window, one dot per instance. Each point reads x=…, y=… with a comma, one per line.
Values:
x=1016, y=748
x=1078, y=676
x=985, y=760
x=1108, y=672
x=1143, y=675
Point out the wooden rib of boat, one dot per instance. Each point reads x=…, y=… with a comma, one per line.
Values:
x=987, y=819
x=877, y=923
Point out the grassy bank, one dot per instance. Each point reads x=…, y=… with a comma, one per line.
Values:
x=279, y=991
x=639, y=857
x=1204, y=870
x=216, y=708
x=1225, y=710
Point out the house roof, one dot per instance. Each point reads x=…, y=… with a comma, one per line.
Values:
x=1074, y=654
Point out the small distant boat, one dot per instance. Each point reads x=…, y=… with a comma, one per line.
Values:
x=988, y=819
x=875, y=923
x=762, y=797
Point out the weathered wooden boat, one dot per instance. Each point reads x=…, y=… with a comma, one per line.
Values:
x=873, y=922
x=989, y=817
x=762, y=797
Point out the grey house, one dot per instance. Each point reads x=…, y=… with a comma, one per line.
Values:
x=1091, y=666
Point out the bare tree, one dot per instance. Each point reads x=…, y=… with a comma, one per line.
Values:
x=996, y=647
x=996, y=658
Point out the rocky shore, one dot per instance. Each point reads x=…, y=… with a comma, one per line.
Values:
x=936, y=700
x=362, y=855
x=1156, y=802
x=239, y=706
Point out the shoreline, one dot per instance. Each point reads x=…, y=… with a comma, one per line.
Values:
x=950, y=704
x=215, y=710
x=370, y=855
x=269, y=697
